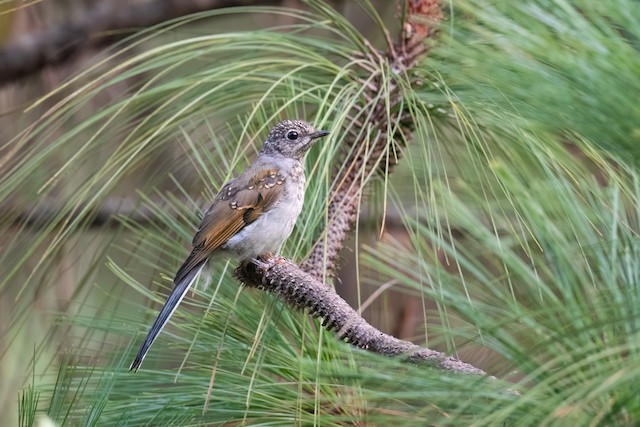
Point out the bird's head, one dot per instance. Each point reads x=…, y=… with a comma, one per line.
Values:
x=292, y=139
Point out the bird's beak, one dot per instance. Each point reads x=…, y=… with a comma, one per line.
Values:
x=319, y=134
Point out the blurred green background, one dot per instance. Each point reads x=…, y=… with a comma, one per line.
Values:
x=507, y=236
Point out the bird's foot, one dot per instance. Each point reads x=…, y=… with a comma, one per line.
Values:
x=272, y=258
x=265, y=261
x=262, y=261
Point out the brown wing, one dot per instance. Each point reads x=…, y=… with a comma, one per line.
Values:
x=239, y=203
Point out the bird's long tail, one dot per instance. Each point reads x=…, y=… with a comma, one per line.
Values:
x=180, y=289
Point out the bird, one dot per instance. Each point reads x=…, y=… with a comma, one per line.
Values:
x=252, y=215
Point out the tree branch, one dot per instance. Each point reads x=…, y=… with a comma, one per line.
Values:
x=106, y=23
x=303, y=291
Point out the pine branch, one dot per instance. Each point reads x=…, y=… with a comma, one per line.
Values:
x=366, y=155
x=303, y=291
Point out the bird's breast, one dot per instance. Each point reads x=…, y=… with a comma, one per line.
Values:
x=268, y=233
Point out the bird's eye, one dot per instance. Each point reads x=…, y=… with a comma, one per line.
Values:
x=292, y=135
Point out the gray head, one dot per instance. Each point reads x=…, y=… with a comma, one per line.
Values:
x=291, y=138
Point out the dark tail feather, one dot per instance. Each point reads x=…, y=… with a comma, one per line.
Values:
x=179, y=291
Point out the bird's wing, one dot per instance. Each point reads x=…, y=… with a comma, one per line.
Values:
x=239, y=203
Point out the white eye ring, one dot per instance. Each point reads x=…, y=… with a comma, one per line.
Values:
x=292, y=135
